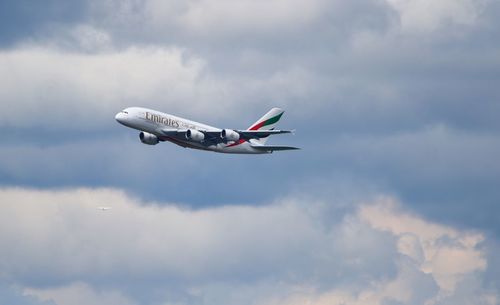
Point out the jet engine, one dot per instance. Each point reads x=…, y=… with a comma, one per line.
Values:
x=195, y=135
x=229, y=135
x=149, y=139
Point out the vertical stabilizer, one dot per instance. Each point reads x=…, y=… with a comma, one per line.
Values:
x=267, y=122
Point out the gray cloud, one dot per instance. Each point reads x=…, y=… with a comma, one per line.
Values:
x=349, y=133
x=387, y=97
x=15, y=296
x=22, y=19
x=356, y=61
x=281, y=253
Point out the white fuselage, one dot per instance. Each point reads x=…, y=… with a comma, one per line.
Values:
x=164, y=127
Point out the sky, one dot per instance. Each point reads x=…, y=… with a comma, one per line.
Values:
x=393, y=198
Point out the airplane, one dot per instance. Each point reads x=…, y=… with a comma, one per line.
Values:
x=155, y=127
x=104, y=208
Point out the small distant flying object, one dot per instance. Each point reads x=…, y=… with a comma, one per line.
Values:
x=155, y=126
x=104, y=208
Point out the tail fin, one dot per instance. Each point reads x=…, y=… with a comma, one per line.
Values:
x=267, y=122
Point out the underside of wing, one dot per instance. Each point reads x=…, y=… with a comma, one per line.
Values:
x=209, y=137
x=214, y=137
x=173, y=132
x=272, y=148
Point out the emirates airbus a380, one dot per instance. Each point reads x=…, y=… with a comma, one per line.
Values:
x=155, y=126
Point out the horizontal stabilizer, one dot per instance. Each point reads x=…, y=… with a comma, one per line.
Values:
x=273, y=147
x=255, y=134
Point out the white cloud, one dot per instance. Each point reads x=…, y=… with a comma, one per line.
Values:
x=139, y=240
x=84, y=295
x=58, y=88
x=59, y=247
x=207, y=21
x=450, y=257
x=345, y=63
x=448, y=254
x=429, y=15
x=41, y=83
x=348, y=65
x=226, y=16
x=91, y=39
x=210, y=19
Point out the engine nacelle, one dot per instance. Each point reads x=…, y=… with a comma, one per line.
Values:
x=195, y=135
x=148, y=138
x=229, y=135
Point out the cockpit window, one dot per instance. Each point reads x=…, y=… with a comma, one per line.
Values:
x=126, y=112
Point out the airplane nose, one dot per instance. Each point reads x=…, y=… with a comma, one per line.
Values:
x=119, y=117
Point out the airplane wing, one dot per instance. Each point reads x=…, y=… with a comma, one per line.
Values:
x=246, y=134
x=173, y=132
x=255, y=134
x=211, y=137
x=272, y=148
x=214, y=136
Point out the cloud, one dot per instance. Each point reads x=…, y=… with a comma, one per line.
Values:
x=240, y=17
x=15, y=296
x=352, y=63
x=78, y=88
x=382, y=102
x=428, y=15
x=435, y=262
x=215, y=19
x=85, y=90
x=84, y=293
x=374, y=254
x=434, y=164
x=78, y=38
x=20, y=19
x=390, y=96
x=438, y=250
x=387, y=96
